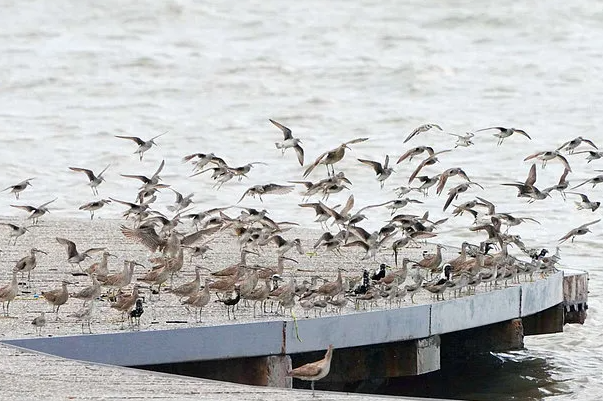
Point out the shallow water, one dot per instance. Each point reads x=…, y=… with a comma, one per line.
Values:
x=74, y=75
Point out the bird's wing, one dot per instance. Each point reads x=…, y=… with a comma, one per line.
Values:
x=313, y=165
x=245, y=194
x=488, y=204
x=584, y=197
x=348, y=205
x=522, y=132
x=197, y=235
x=157, y=136
x=591, y=143
x=563, y=146
x=88, y=172
x=26, y=208
x=142, y=178
x=375, y=165
x=300, y=154
x=407, y=154
x=589, y=224
x=568, y=235
x=377, y=205
x=123, y=202
x=132, y=138
x=356, y=140
x=161, y=165
x=71, y=249
x=147, y=237
x=94, y=250
x=286, y=131
x=565, y=162
x=105, y=169
x=278, y=189
x=531, y=180
x=47, y=203
x=418, y=169
x=485, y=129
x=563, y=177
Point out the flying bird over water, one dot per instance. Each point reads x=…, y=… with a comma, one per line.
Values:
x=18, y=188
x=330, y=157
x=505, y=133
x=143, y=146
x=595, y=180
x=420, y=129
x=417, y=150
x=549, y=155
x=267, y=189
x=289, y=142
x=583, y=229
x=383, y=171
x=585, y=203
x=95, y=180
x=570, y=146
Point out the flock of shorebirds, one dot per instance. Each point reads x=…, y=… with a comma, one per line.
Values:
x=485, y=261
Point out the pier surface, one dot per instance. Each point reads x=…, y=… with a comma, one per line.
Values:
x=217, y=338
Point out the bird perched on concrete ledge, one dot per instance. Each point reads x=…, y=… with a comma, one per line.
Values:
x=314, y=371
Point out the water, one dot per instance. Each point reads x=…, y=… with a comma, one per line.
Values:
x=74, y=74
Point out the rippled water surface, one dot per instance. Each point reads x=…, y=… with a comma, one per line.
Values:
x=73, y=74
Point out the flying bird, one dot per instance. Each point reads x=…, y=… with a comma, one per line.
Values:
x=35, y=212
x=95, y=180
x=505, y=133
x=383, y=171
x=267, y=189
x=417, y=150
x=570, y=146
x=585, y=203
x=583, y=229
x=289, y=142
x=330, y=157
x=420, y=129
x=143, y=146
x=20, y=187
x=547, y=155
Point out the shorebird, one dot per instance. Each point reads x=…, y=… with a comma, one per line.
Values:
x=289, y=142
x=426, y=183
x=146, y=181
x=94, y=180
x=38, y=322
x=595, y=180
x=585, y=203
x=231, y=301
x=89, y=293
x=383, y=171
x=420, y=129
x=28, y=263
x=454, y=193
x=330, y=157
x=181, y=203
x=57, y=297
x=84, y=315
x=283, y=246
x=94, y=206
x=73, y=256
x=314, y=371
x=505, y=133
x=592, y=155
x=583, y=229
x=143, y=146
x=547, y=155
x=136, y=313
x=35, y=212
x=449, y=173
x=101, y=268
x=431, y=160
x=8, y=293
x=18, y=188
x=561, y=186
x=267, y=189
x=202, y=159
x=527, y=188
x=119, y=280
x=199, y=300
x=412, y=152
x=190, y=288
x=571, y=145
x=15, y=231
x=125, y=303
x=463, y=140
x=243, y=170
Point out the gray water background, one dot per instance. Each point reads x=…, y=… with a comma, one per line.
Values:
x=75, y=73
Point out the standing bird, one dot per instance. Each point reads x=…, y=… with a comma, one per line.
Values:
x=383, y=171
x=18, y=188
x=36, y=212
x=420, y=129
x=8, y=293
x=315, y=370
x=39, y=322
x=94, y=206
x=330, y=157
x=289, y=142
x=84, y=315
x=137, y=312
x=505, y=133
x=95, y=180
x=73, y=256
x=583, y=229
x=143, y=146
x=57, y=297
x=28, y=263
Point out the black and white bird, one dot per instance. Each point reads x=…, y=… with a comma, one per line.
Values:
x=505, y=133
x=94, y=206
x=583, y=229
x=137, y=312
x=585, y=203
x=289, y=142
x=94, y=180
x=35, y=212
x=73, y=256
x=20, y=187
x=143, y=146
x=420, y=129
x=383, y=171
